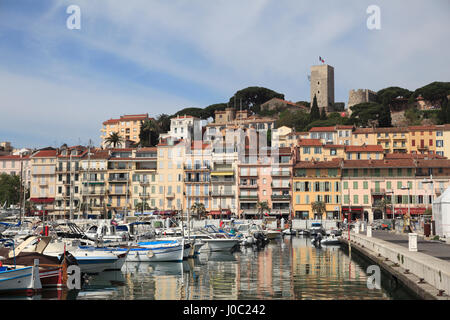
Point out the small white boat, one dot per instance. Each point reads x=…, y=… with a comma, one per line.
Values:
x=153, y=251
x=22, y=280
x=330, y=240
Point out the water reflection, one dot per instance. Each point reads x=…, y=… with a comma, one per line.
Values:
x=289, y=268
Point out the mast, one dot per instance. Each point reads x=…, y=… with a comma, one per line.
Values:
x=70, y=187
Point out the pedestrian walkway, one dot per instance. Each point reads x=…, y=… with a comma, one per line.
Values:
x=433, y=248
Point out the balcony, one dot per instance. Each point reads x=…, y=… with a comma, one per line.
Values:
x=118, y=192
x=280, y=173
x=281, y=197
x=170, y=195
x=248, y=197
x=196, y=168
x=118, y=179
x=286, y=186
x=248, y=186
x=217, y=180
x=377, y=191
x=43, y=183
x=94, y=192
x=222, y=194
x=195, y=181
x=147, y=195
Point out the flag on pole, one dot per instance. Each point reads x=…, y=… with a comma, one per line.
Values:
x=321, y=60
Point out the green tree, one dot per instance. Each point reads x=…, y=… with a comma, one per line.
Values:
x=382, y=205
x=252, y=98
x=262, y=206
x=149, y=133
x=323, y=114
x=386, y=95
x=114, y=139
x=315, y=112
x=163, y=121
x=364, y=113
x=141, y=206
x=9, y=189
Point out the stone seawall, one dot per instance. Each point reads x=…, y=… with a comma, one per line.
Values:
x=424, y=274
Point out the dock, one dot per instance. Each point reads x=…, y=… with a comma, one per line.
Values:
x=425, y=272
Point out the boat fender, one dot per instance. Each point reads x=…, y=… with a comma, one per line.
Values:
x=150, y=254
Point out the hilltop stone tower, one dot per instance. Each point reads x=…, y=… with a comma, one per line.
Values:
x=360, y=96
x=322, y=86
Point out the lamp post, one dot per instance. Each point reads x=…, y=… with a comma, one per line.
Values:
x=392, y=203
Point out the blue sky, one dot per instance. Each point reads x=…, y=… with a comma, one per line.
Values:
x=144, y=56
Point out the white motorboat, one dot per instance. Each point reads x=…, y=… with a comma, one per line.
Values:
x=330, y=240
x=159, y=250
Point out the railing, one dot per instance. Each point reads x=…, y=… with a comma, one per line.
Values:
x=118, y=192
x=187, y=167
x=377, y=191
x=249, y=174
x=280, y=186
x=223, y=194
x=222, y=180
x=117, y=179
x=280, y=173
x=248, y=186
x=281, y=197
x=195, y=181
x=248, y=197
x=170, y=195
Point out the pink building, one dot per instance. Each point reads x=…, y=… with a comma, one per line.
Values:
x=16, y=165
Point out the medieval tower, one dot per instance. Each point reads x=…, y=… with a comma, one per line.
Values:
x=322, y=86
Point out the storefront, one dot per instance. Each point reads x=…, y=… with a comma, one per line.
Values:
x=353, y=213
x=399, y=212
x=217, y=214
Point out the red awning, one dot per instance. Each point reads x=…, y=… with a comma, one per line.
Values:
x=216, y=213
x=405, y=210
x=42, y=200
x=165, y=213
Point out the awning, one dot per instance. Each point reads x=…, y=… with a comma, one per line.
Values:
x=217, y=212
x=225, y=173
x=165, y=213
x=405, y=210
x=42, y=200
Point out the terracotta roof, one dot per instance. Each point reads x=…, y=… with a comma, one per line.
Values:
x=322, y=129
x=45, y=154
x=422, y=128
x=335, y=163
x=393, y=163
x=284, y=150
x=366, y=148
x=433, y=163
x=14, y=157
x=363, y=130
x=342, y=127
x=309, y=142
x=147, y=149
x=397, y=155
x=128, y=117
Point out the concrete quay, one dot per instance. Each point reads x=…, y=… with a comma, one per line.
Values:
x=426, y=275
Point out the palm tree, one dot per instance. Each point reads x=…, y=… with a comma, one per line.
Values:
x=198, y=208
x=319, y=208
x=29, y=206
x=261, y=207
x=114, y=139
x=149, y=133
x=141, y=206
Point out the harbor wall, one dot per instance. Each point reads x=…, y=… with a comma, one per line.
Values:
x=298, y=224
x=435, y=272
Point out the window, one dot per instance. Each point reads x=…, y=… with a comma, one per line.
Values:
x=355, y=185
x=306, y=150
x=355, y=199
x=366, y=199
x=366, y=185
x=346, y=199
x=430, y=142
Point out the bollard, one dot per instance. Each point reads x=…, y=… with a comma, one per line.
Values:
x=362, y=227
x=412, y=241
x=356, y=228
x=369, y=231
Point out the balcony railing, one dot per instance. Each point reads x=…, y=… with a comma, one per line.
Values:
x=249, y=174
x=248, y=186
x=216, y=180
x=195, y=180
x=286, y=186
x=118, y=192
x=280, y=173
x=377, y=191
x=194, y=167
x=281, y=197
x=223, y=194
x=118, y=179
x=248, y=197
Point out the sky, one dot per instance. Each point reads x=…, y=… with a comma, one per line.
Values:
x=57, y=85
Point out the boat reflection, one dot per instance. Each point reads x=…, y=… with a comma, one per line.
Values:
x=221, y=256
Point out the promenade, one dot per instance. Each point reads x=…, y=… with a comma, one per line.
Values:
x=433, y=248
x=426, y=272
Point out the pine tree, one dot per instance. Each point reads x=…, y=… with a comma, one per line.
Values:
x=323, y=114
x=315, y=113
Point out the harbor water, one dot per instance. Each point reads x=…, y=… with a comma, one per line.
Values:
x=289, y=268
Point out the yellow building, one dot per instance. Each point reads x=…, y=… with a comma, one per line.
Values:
x=443, y=140
x=128, y=126
x=43, y=182
x=120, y=166
x=144, y=182
x=171, y=154
x=317, y=181
x=364, y=152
